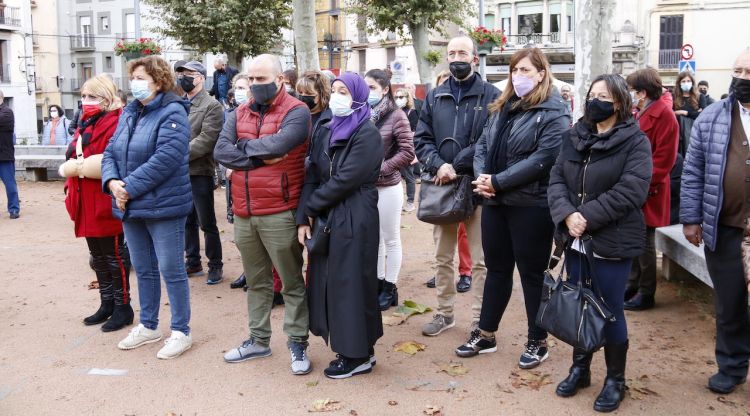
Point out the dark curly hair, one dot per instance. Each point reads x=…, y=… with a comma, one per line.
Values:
x=157, y=68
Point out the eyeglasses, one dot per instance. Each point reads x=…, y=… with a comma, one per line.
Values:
x=400, y=96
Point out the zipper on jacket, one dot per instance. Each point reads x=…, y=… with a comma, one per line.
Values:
x=583, y=315
x=247, y=190
x=583, y=182
x=285, y=186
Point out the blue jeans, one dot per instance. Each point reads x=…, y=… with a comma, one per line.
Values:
x=158, y=246
x=8, y=176
x=610, y=279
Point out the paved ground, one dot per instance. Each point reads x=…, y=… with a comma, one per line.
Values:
x=46, y=353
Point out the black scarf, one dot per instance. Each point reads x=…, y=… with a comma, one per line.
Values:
x=84, y=134
x=497, y=160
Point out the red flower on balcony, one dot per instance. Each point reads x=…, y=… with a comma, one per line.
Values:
x=145, y=46
x=482, y=35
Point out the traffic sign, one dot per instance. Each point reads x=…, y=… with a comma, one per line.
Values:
x=687, y=66
x=686, y=52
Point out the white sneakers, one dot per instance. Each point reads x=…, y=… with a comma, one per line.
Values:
x=175, y=345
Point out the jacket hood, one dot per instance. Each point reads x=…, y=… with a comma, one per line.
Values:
x=583, y=134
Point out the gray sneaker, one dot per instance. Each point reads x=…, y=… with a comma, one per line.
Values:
x=300, y=363
x=247, y=351
x=439, y=324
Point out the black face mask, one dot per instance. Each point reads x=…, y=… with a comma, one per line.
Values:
x=309, y=100
x=263, y=93
x=460, y=70
x=186, y=83
x=598, y=111
x=741, y=88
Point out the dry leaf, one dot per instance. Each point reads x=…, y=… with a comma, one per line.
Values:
x=531, y=379
x=393, y=320
x=353, y=413
x=452, y=368
x=638, y=388
x=433, y=410
x=311, y=383
x=392, y=403
x=325, y=405
x=410, y=308
x=94, y=285
x=409, y=347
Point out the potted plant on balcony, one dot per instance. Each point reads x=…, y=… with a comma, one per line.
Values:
x=137, y=48
x=487, y=39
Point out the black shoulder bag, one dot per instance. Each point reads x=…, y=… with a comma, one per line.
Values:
x=572, y=312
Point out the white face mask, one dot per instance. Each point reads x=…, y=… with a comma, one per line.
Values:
x=240, y=96
x=341, y=106
x=401, y=102
x=53, y=114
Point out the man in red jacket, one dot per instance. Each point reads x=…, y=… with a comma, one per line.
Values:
x=264, y=142
x=657, y=120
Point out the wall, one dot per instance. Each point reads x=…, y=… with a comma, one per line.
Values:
x=46, y=56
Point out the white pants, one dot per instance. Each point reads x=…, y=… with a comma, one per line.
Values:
x=390, y=200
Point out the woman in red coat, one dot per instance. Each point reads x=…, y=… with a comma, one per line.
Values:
x=657, y=120
x=91, y=209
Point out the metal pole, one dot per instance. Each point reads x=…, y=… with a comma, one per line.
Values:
x=482, y=59
x=137, y=19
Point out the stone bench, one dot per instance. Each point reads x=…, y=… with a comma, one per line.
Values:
x=35, y=162
x=679, y=257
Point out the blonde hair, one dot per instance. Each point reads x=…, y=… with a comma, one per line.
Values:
x=318, y=83
x=443, y=75
x=409, y=99
x=539, y=94
x=102, y=86
x=239, y=77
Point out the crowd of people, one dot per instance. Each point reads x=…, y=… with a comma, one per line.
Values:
x=315, y=164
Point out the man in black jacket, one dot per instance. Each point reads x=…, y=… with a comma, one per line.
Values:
x=7, y=158
x=223, y=76
x=450, y=122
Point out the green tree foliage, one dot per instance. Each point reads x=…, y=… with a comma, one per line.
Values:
x=238, y=28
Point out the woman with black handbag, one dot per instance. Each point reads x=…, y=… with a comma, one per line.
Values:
x=340, y=197
x=597, y=188
x=513, y=158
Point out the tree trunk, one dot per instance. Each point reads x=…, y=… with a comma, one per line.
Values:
x=235, y=59
x=593, y=40
x=305, y=35
x=420, y=36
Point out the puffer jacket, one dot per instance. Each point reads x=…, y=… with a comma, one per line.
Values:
x=607, y=183
x=149, y=152
x=702, y=191
x=398, y=146
x=532, y=146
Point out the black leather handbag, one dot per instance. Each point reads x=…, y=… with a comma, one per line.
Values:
x=320, y=237
x=571, y=312
x=445, y=204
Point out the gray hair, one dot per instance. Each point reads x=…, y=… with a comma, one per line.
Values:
x=220, y=60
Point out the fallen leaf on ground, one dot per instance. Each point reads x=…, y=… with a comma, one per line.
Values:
x=638, y=388
x=94, y=285
x=433, y=410
x=393, y=320
x=392, y=403
x=353, y=413
x=453, y=368
x=311, y=383
x=409, y=347
x=325, y=405
x=531, y=379
x=410, y=308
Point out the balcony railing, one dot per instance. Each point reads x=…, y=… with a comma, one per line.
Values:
x=669, y=58
x=10, y=16
x=5, y=74
x=82, y=42
x=534, y=38
x=127, y=36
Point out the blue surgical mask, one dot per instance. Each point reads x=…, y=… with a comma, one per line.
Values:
x=686, y=86
x=374, y=98
x=240, y=96
x=139, y=88
x=340, y=105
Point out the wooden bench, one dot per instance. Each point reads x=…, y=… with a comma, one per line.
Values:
x=34, y=162
x=679, y=257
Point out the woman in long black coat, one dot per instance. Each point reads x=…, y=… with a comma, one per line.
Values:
x=343, y=166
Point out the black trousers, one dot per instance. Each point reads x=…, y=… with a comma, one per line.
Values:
x=643, y=271
x=203, y=215
x=514, y=236
x=111, y=263
x=732, y=321
x=408, y=174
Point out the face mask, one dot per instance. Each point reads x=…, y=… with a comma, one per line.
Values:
x=460, y=70
x=340, y=105
x=401, y=102
x=139, y=88
x=263, y=93
x=91, y=109
x=54, y=114
x=523, y=85
x=186, y=83
x=309, y=100
x=240, y=96
x=686, y=87
x=288, y=88
x=741, y=89
x=598, y=110
x=374, y=98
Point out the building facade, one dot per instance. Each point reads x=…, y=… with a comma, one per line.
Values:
x=17, y=65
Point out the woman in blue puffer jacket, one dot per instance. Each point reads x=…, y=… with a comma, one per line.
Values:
x=145, y=169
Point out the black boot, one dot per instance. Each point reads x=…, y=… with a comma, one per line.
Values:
x=239, y=282
x=614, y=385
x=105, y=294
x=580, y=374
x=123, y=312
x=388, y=296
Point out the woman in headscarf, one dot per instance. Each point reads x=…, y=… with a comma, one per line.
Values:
x=344, y=165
